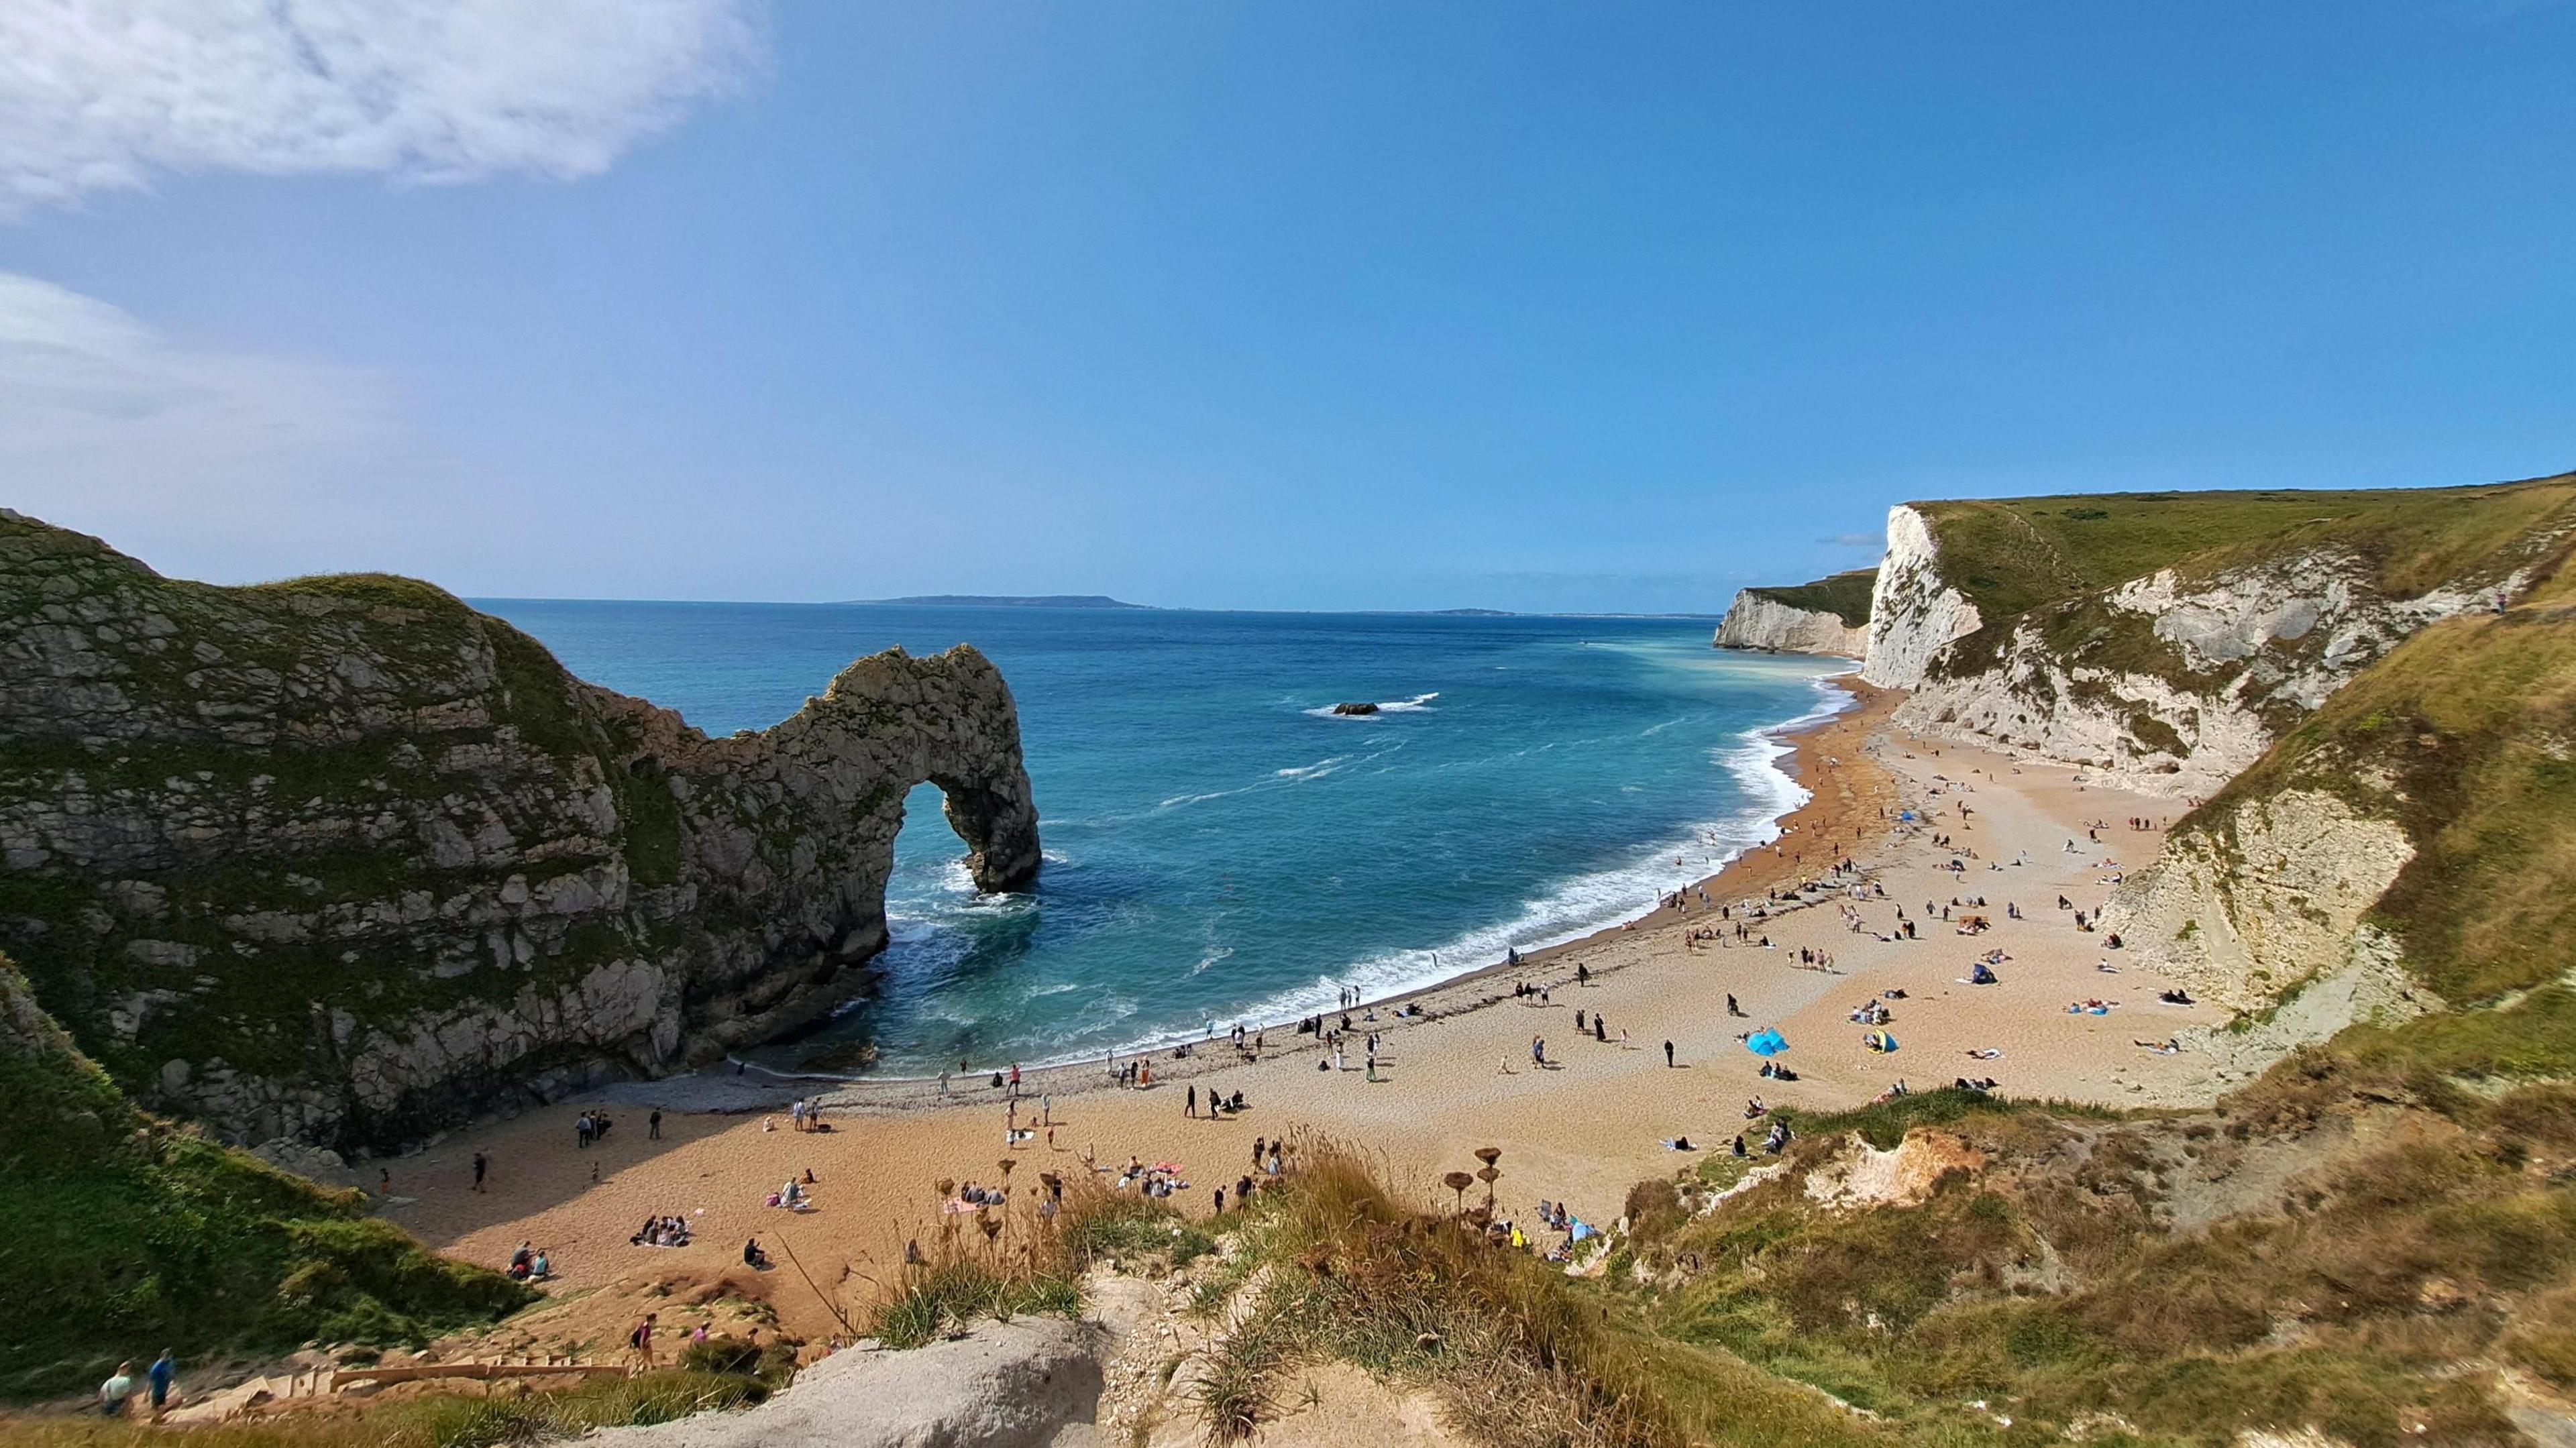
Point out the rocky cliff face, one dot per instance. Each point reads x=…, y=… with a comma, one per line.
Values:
x=342, y=859
x=2171, y=639
x=1914, y=611
x=2177, y=684
x=1771, y=622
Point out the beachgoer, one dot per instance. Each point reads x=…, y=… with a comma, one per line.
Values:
x=1668, y=1055
x=653, y=1125
x=640, y=1338
x=481, y=1163
x=163, y=1372
x=113, y=1393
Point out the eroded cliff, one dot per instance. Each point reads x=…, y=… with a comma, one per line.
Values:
x=1828, y=616
x=2170, y=640
x=343, y=859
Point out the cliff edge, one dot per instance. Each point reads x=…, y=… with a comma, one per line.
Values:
x=2170, y=639
x=1828, y=616
x=342, y=859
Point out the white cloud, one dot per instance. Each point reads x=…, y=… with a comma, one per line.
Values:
x=201, y=460
x=97, y=95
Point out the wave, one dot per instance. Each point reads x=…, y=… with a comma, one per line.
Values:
x=1579, y=906
x=1417, y=704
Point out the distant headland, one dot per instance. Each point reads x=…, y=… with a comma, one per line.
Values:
x=1004, y=600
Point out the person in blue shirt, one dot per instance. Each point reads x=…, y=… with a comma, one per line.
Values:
x=164, y=1370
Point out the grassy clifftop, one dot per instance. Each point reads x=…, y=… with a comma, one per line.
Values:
x=1844, y=595
x=2010, y=555
x=126, y=1234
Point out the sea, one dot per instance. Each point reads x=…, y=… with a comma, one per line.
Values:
x=1220, y=846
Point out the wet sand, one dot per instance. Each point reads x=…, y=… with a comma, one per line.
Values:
x=1459, y=1077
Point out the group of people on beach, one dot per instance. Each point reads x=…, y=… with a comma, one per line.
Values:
x=670, y=1231
x=530, y=1264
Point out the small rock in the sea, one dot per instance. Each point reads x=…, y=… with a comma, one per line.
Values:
x=1354, y=708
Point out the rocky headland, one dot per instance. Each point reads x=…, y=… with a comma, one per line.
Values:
x=341, y=859
x=1828, y=616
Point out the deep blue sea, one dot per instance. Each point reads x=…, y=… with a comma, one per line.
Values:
x=1219, y=847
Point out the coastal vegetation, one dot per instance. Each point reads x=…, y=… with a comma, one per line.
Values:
x=126, y=1229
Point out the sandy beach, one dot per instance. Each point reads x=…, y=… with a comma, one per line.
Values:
x=1456, y=1077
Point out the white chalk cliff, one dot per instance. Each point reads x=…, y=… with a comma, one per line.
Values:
x=1764, y=624
x=1913, y=611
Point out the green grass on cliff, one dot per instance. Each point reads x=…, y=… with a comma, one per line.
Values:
x=2009, y=555
x=1844, y=595
x=126, y=1235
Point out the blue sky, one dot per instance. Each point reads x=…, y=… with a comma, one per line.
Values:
x=1326, y=305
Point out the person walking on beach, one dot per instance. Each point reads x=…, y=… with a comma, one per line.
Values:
x=1538, y=1050
x=641, y=1338
x=653, y=1125
x=481, y=1163
x=1668, y=1055
x=163, y=1372
x=1015, y=1078
x=1190, y=1103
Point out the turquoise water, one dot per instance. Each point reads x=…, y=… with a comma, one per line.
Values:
x=1218, y=846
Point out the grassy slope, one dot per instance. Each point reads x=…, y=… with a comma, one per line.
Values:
x=126, y=1235
x=2009, y=555
x=1518, y=1355
x=1844, y=595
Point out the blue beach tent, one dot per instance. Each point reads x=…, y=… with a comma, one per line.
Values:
x=1766, y=1043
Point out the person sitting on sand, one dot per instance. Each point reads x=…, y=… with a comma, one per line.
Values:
x=541, y=1267
x=1754, y=1109
x=752, y=1256
x=2175, y=997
